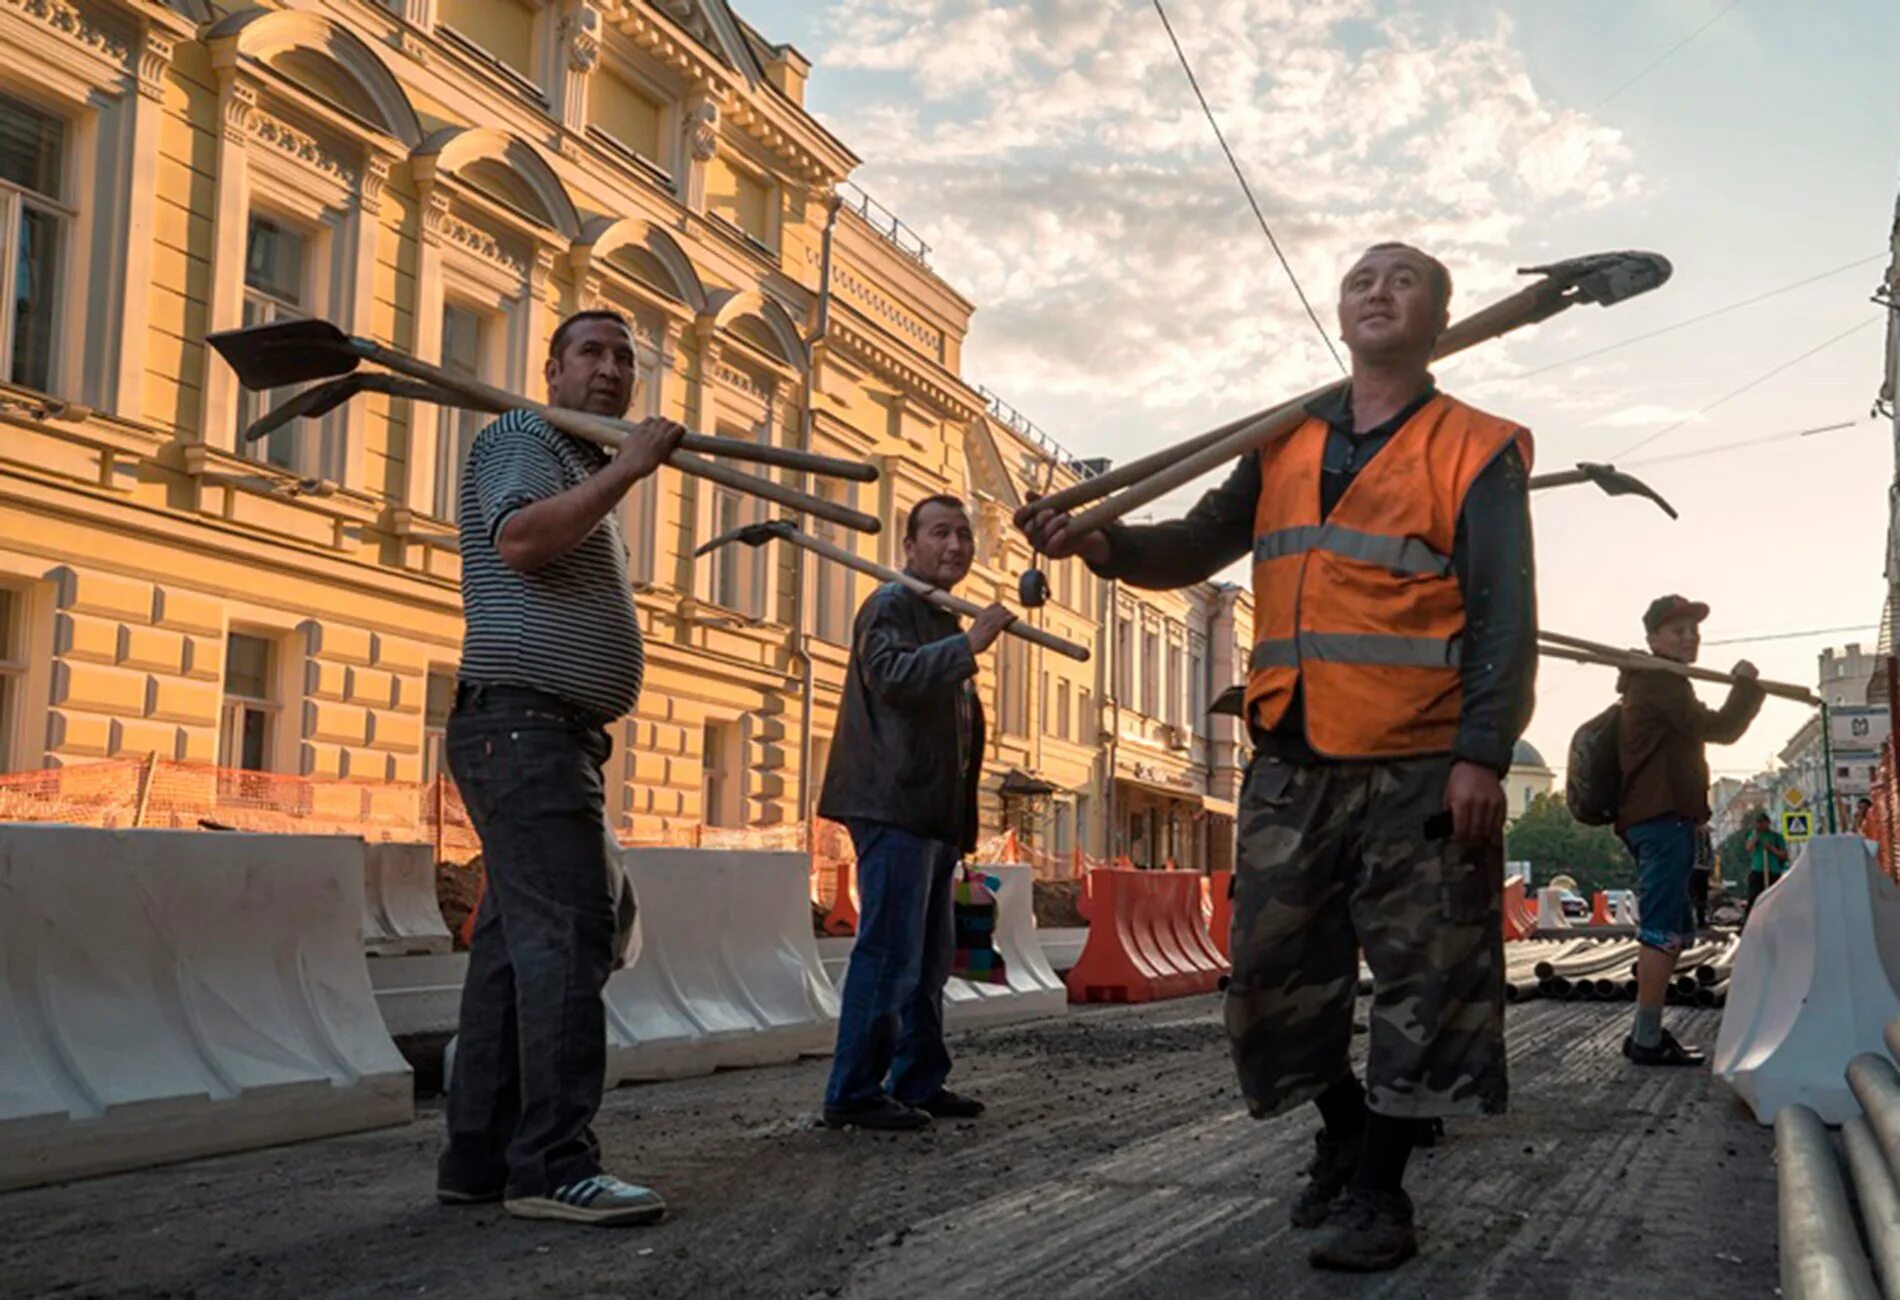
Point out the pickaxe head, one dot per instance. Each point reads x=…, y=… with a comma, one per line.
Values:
x=750, y=535
x=1616, y=483
x=1606, y=278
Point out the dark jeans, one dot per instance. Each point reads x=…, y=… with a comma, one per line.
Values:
x=1664, y=848
x=531, y=1052
x=1699, y=896
x=890, y=1021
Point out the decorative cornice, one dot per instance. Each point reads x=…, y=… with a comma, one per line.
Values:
x=68, y=21
x=301, y=146
x=740, y=380
x=479, y=242
x=542, y=273
x=155, y=55
x=953, y=401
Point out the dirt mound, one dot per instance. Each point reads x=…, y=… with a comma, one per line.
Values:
x=457, y=888
x=1058, y=904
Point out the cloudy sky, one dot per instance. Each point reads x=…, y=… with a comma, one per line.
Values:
x=1052, y=154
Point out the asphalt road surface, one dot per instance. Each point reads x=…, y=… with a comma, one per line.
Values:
x=1115, y=1161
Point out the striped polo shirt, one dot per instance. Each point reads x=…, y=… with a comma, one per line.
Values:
x=568, y=628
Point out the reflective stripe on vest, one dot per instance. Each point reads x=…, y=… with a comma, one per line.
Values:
x=1356, y=648
x=1406, y=555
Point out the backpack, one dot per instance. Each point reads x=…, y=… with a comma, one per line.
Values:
x=1593, y=781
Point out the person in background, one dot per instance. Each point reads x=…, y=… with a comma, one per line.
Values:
x=1767, y=857
x=902, y=779
x=1663, y=745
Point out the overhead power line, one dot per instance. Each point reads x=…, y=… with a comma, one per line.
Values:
x=1245, y=188
x=1793, y=636
x=1667, y=54
x=1754, y=383
x=1679, y=325
x=1743, y=445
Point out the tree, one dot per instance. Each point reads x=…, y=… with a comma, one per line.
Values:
x=1554, y=843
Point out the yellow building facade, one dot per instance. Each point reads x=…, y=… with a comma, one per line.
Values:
x=450, y=178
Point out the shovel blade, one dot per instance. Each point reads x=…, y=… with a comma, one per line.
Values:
x=285, y=352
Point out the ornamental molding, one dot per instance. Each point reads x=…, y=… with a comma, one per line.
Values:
x=155, y=56
x=301, y=147
x=581, y=33
x=474, y=239
x=73, y=23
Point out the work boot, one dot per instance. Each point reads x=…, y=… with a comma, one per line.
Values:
x=1667, y=1051
x=1326, y=1177
x=879, y=1114
x=1367, y=1232
x=602, y=1200
x=948, y=1105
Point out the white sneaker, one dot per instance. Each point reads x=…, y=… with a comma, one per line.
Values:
x=602, y=1200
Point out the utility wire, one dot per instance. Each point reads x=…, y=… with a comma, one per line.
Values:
x=1667, y=55
x=1743, y=445
x=1756, y=382
x=1793, y=636
x=1247, y=189
x=1679, y=325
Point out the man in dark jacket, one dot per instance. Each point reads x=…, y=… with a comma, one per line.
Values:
x=902, y=778
x=1663, y=738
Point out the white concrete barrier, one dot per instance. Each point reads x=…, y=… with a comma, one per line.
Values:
x=1627, y=911
x=728, y=972
x=1033, y=990
x=401, y=917
x=1550, y=910
x=172, y=994
x=1812, y=986
x=419, y=995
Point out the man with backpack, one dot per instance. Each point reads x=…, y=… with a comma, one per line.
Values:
x=1663, y=736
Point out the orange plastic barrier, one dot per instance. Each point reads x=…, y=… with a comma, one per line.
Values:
x=1220, y=925
x=1520, y=912
x=1147, y=939
x=842, y=920
x=1600, y=909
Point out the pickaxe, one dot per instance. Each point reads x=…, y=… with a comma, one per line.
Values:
x=1576, y=649
x=1612, y=480
x=1603, y=278
x=783, y=530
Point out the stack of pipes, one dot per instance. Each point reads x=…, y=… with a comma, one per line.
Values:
x=1825, y=1250
x=1590, y=969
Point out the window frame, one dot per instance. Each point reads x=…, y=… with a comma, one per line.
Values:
x=231, y=724
x=15, y=201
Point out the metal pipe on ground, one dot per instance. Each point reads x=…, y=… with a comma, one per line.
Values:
x=1879, y=1199
x=1709, y=995
x=1892, y=1035
x=1821, y=1256
x=1876, y=1086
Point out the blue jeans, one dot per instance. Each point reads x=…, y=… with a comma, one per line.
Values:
x=1665, y=858
x=531, y=1052
x=890, y=1022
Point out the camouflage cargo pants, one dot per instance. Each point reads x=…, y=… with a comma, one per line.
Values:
x=1333, y=859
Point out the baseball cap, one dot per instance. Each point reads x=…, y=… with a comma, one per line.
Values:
x=1667, y=609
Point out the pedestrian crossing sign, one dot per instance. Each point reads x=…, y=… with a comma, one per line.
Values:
x=1797, y=827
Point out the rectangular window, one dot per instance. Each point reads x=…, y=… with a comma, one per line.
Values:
x=274, y=272
x=1065, y=828
x=1124, y=685
x=834, y=589
x=437, y=705
x=12, y=670
x=1065, y=582
x=1151, y=674
x=35, y=227
x=464, y=349
x=1012, y=666
x=722, y=781
x=738, y=572
x=504, y=30
x=741, y=199
x=627, y=116
x=1173, y=699
x=1198, y=685
x=250, y=704
x=1062, y=710
x=1042, y=705
x=1086, y=727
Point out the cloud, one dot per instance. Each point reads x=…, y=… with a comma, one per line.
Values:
x=1054, y=157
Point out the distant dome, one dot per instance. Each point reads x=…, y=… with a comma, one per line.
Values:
x=1526, y=755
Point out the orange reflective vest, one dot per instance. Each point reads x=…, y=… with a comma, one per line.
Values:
x=1362, y=611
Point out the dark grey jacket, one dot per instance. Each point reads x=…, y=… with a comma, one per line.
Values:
x=899, y=756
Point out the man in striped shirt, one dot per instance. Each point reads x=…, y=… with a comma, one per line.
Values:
x=551, y=656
